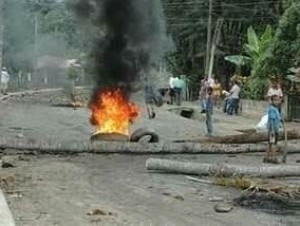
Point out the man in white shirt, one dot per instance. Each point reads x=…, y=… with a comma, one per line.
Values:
x=178, y=87
x=4, y=81
x=234, y=98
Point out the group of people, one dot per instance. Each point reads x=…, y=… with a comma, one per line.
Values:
x=232, y=99
x=211, y=92
x=210, y=95
x=153, y=98
x=4, y=80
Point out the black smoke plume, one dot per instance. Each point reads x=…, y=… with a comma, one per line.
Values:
x=134, y=39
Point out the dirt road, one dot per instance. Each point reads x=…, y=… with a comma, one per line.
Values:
x=60, y=190
x=35, y=116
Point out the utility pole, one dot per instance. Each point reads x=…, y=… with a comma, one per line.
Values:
x=1, y=32
x=35, y=40
x=33, y=78
x=215, y=42
x=208, y=41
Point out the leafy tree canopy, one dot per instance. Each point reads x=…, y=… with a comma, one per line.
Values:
x=284, y=51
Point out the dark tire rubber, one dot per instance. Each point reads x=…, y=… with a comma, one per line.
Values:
x=139, y=133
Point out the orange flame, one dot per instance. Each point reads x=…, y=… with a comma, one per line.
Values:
x=112, y=112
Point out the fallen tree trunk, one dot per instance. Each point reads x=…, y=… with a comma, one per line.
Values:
x=31, y=92
x=244, y=138
x=56, y=147
x=223, y=170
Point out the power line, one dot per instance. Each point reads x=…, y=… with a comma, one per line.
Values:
x=222, y=2
x=226, y=18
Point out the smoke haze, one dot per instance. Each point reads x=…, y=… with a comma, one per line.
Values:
x=133, y=39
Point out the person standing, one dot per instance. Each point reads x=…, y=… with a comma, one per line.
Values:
x=171, y=89
x=178, y=87
x=217, y=93
x=275, y=89
x=150, y=101
x=209, y=111
x=274, y=119
x=4, y=81
x=211, y=80
x=202, y=93
x=234, y=98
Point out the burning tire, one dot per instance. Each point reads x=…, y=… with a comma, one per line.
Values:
x=137, y=136
x=117, y=137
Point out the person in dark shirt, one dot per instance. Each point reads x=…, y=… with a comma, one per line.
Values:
x=150, y=101
x=209, y=104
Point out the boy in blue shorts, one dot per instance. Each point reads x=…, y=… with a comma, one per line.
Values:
x=274, y=120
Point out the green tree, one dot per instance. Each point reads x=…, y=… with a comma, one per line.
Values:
x=187, y=22
x=284, y=51
x=238, y=61
x=257, y=48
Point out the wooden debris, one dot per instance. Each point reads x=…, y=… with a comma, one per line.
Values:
x=8, y=161
x=271, y=196
x=73, y=105
x=179, y=197
x=7, y=182
x=216, y=199
x=225, y=170
x=223, y=208
x=245, y=138
x=267, y=195
x=199, y=180
x=96, y=212
x=31, y=92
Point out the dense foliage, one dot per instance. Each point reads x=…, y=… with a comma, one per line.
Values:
x=188, y=21
x=257, y=48
x=284, y=51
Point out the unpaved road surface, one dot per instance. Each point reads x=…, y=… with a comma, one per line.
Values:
x=61, y=190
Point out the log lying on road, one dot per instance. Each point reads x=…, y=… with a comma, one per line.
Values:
x=31, y=92
x=244, y=138
x=56, y=147
x=224, y=170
